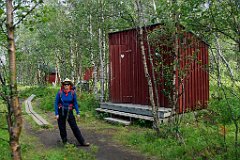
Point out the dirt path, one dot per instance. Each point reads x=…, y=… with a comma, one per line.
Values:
x=107, y=148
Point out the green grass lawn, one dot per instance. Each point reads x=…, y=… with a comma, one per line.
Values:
x=202, y=140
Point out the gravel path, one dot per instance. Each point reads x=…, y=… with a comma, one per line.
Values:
x=107, y=148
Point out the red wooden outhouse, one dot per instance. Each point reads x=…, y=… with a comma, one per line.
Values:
x=128, y=83
x=88, y=74
x=51, y=78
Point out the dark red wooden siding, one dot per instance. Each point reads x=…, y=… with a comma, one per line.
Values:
x=127, y=80
x=51, y=78
x=196, y=84
x=88, y=74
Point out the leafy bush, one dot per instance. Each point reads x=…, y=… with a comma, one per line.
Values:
x=46, y=95
x=201, y=141
x=87, y=102
x=39, y=91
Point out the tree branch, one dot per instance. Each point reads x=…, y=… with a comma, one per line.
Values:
x=24, y=16
x=16, y=7
x=219, y=52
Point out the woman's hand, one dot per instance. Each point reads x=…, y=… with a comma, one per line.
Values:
x=56, y=117
x=78, y=117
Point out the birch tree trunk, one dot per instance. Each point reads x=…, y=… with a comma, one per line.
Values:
x=101, y=64
x=175, y=77
x=218, y=70
x=176, y=81
x=153, y=74
x=101, y=54
x=78, y=65
x=151, y=60
x=92, y=58
x=39, y=81
x=155, y=10
x=220, y=55
x=146, y=70
x=14, y=117
x=72, y=57
x=58, y=59
x=56, y=75
x=174, y=97
x=105, y=71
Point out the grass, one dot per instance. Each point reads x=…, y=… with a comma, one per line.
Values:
x=202, y=133
x=201, y=141
x=33, y=150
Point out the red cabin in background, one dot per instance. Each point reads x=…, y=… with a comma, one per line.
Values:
x=88, y=74
x=128, y=83
x=51, y=77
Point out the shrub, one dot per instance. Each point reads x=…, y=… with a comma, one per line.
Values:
x=88, y=102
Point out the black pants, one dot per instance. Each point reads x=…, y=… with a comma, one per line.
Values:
x=72, y=122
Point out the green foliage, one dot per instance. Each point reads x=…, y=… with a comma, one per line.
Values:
x=4, y=145
x=142, y=123
x=201, y=141
x=88, y=102
x=39, y=91
x=221, y=108
x=102, y=115
x=46, y=94
x=225, y=103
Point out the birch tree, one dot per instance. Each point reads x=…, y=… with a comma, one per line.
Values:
x=14, y=116
x=101, y=40
x=154, y=106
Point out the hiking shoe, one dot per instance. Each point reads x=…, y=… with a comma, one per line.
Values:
x=84, y=145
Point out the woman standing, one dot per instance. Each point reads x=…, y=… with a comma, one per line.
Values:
x=66, y=101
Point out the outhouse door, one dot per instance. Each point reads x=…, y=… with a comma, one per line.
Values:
x=126, y=74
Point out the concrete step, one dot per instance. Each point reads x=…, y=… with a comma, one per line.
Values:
x=144, y=110
x=119, y=121
x=124, y=114
x=131, y=115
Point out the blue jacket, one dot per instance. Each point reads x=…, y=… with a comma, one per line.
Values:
x=67, y=100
